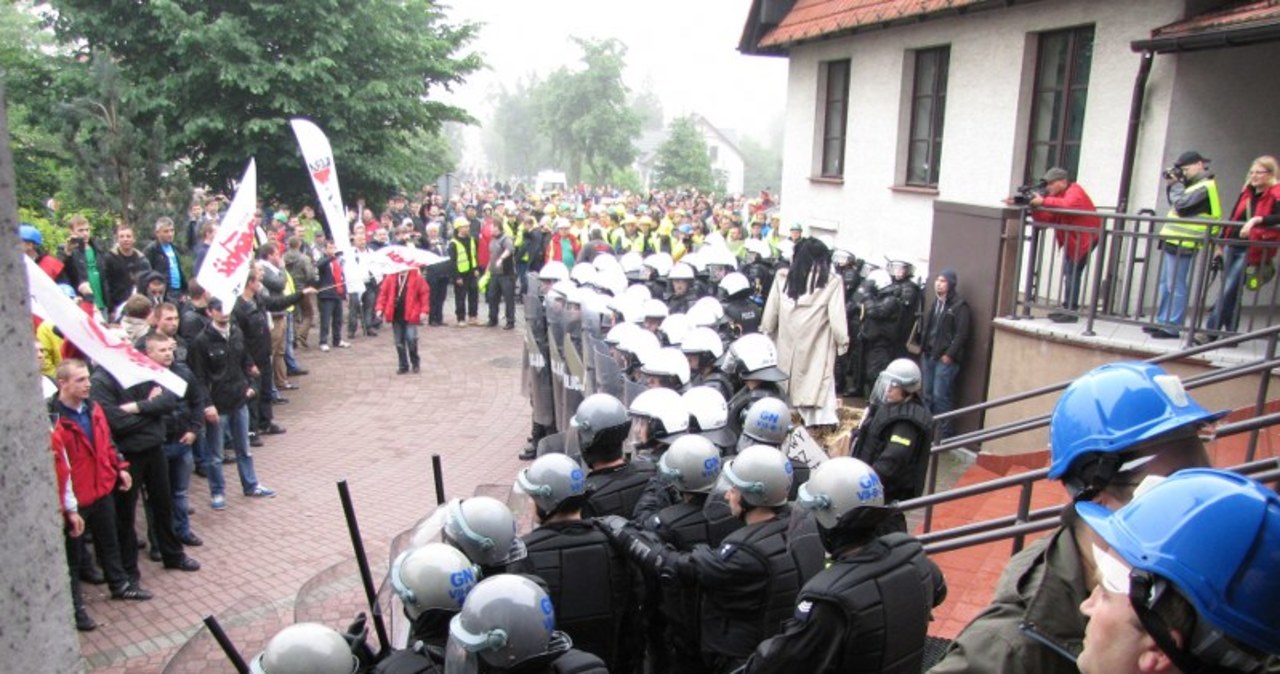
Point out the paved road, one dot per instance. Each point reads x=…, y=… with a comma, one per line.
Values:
x=354, y=419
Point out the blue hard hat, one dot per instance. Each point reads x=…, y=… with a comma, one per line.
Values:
x=1215, y=536
x=1115, y=407
x=30, y=233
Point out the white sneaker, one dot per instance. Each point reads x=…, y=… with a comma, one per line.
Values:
x=324, y=347
x=344, y=345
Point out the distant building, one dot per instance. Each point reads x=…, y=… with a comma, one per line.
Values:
x=726, y=158
x=895, y=104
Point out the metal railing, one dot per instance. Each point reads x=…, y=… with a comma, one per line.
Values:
x=1121, y=273
x=1027, y=521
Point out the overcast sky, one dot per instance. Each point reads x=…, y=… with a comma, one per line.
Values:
x=685, y=50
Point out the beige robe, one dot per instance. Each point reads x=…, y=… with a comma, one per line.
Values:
x=809, y=333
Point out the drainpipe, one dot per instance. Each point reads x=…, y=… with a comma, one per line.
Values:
x=1126, y=172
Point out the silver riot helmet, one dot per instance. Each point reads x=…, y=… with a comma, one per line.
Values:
x=433, y=577
x=754, y=357
x=766, y=422
x=733, y=285
x=761, y=475
x=667, y=368
x=306, y=648
x=673, y=329
x=601, y=424
x=900, y=270
x=484, y=529
x=691, y=464
x=902, y=373
x=709, y=415
x=507, y=620
x=660, y=264
x=551, y=480
x=553, y=271
x=658, y=417
x=838, y=487
x=842, y=258
x=707, y=312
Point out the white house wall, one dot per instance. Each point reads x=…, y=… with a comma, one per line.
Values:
x=991, y=68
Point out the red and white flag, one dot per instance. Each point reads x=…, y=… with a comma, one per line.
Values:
x=318, y=156
x=226, y=266
x=106, y=348
x=395, y=259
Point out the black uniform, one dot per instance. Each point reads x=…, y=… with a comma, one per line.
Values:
x=615, y=491
x=743, y=313
x=591, y=586
x=895, y=441
x=684, y=526
x=868, y=612
x=910, y=296
x=879, y=326
x=848, y=372
x=716, y=380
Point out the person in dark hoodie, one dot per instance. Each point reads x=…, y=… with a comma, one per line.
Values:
x=945, y=338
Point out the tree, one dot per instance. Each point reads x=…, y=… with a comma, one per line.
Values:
x=763, y=166
x=649, y=108
x=121, y=166
x=512, y=139
x=28, y=67
x=683, y=160
x=225, y=76
x=586, y=113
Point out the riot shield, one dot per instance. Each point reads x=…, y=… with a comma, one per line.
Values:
x=575, y=375
x=540, y=389
x=630, y=390
x=389, y=604
x=336, y=597
x=607, y=372
x=249, y=624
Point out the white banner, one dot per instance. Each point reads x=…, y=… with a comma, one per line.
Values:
x=318, y=156
x=395, y=259
x=106, y=349
x=226, y=266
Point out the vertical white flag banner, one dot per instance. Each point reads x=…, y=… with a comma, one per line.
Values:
x=105, y=348
x=226, y=266
x=318, y=156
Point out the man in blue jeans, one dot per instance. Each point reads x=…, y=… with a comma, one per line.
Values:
x=219, y=360
x=945, y=337
x=1192, y=193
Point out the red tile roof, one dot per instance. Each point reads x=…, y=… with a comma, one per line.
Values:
x=1251, y=13
x=810, y=19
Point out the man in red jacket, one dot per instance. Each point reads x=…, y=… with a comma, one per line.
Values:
x=1073, y=237
x=404, y=300
x=97, y=470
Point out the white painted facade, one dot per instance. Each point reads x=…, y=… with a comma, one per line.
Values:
x=1203, y=100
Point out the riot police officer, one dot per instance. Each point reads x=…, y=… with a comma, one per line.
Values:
x=750, y=582
x=768, y=422
x=307, y=648
x=538, y=355
x=880, y=311
x=681, y=280
x=691, y=466
x=566, y=551
x=508, y=625
x=753, y=359
x=432, y=581
x=848, y=364
x=740, y=310
x=910, y=297
x=614, y=484
x=896, y=433
x=658, y=417
x=709, y=417
x=665, y=368
x=703, y=349
x=868, y=611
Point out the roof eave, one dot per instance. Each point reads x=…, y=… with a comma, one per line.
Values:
x=1236, y=36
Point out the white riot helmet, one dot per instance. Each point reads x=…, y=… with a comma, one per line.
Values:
x=655, y=309
x=877, y=281
x=681, y=271
x=306, y=648
x=766, y=422
x=839, y=486
x=434, y=576
x=639, y=345
x=691, y=464
x=703, y=340
x=709, y=415
x=674, y=328
x=733, y=284
x=668, y=365
x=618, y=333
x=583, y=274
x=657, y=416
x=660, y=263
x=605, y=261
x=755, y=357
x=638, y=293
x=903, y=373
x=762, y=475
x=786, y=248
x=707, y=312
x=630, y=308
x=759, y=248
x=611, y=280
x=632, y=263
x=484, y=529
x=841, y=257
x=694, y=259
x=560, y=291
x=551, y=480
x=552, y=271
x=719, y=260
x=507, y=620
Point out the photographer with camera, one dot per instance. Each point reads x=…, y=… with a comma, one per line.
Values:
x=1056, y=190
x=1192, y=193
x=84, y=263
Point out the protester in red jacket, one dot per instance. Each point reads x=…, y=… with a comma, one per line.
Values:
x=404, y=300
x=1256, y=207
x=1076, y=244
x=564, y=246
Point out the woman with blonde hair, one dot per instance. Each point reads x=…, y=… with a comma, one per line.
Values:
x=1258, y=208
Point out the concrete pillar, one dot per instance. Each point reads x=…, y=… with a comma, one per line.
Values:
x=36, y=629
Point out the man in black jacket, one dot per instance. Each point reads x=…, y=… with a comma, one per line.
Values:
x=251, y=316
x=136, y=416
x=124, y=268
x=219, y=360
x=945, y=339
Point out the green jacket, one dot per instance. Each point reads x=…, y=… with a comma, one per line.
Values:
x=1038, y=598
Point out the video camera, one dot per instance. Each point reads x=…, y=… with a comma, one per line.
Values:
x=1025, y=192
x=1174, y=173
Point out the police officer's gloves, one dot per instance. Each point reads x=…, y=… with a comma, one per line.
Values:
x=356, y=638
x=635, y=544
x=614, y=524
x=1216, y=264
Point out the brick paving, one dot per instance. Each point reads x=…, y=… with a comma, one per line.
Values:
x=353, y=419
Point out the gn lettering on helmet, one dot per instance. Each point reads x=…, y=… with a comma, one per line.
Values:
x=464, y=578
